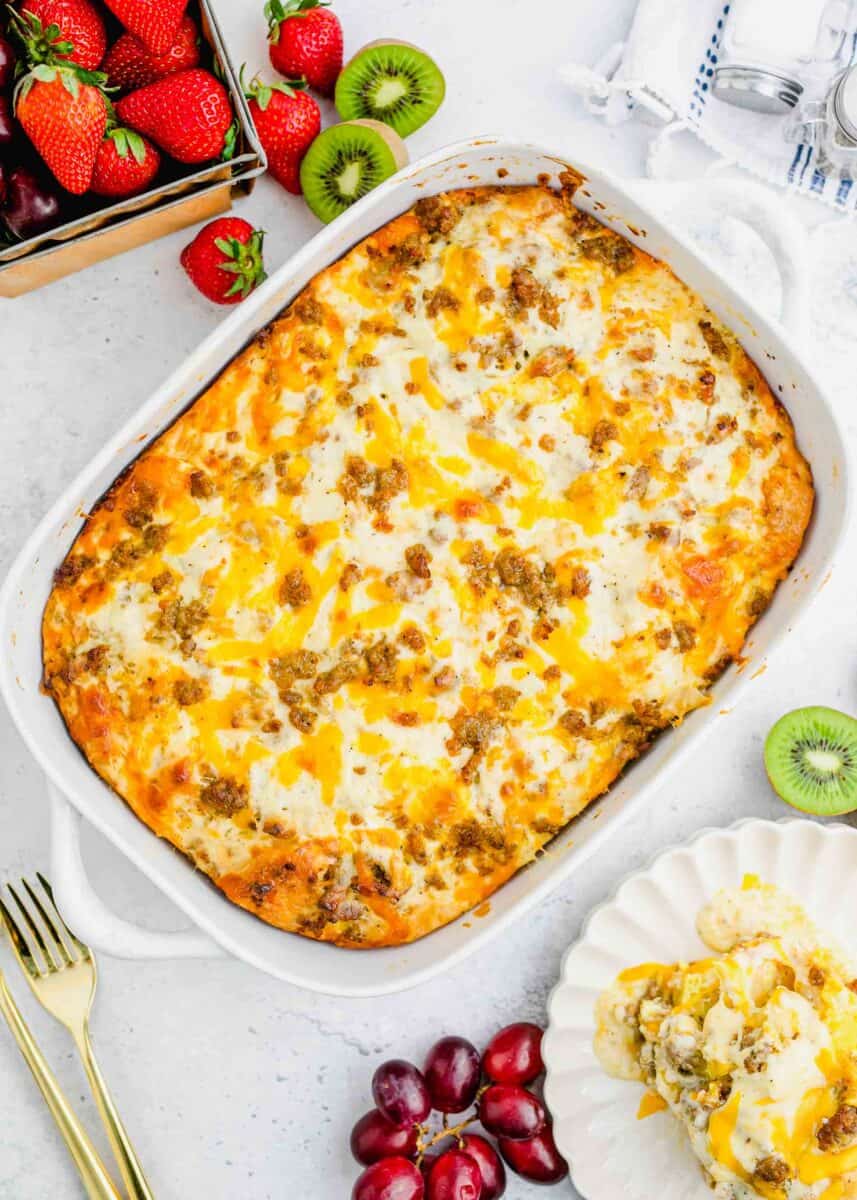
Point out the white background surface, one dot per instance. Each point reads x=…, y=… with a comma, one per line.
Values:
x=234, y=1085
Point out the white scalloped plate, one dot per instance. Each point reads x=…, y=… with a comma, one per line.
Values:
x=651, y=918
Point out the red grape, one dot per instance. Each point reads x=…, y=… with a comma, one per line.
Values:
x=511, y=1112
x=537, y=1159
x=514, y=1054
x=489, y=1163
x=455, y=1176
x=401, y=1093
x=452, y=1074
x=389, y=1179
x=31, y=206
x=373, y=1138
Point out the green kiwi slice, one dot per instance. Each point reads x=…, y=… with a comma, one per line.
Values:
x=345, y=162
x=393, y=82
x=811, y=760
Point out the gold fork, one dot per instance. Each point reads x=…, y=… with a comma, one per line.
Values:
x=97, y=1183
x=64, y=982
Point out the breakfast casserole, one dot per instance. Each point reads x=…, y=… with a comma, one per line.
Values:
x=754, y=1050
x=494, y=501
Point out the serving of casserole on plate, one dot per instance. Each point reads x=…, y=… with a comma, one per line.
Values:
x=703, y=1029
x=493, y=502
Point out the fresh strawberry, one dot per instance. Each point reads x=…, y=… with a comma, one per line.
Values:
x=287, y=120
x=125, y=165
x=60, y=29
x=187, y=114
x=224, y=260
x=130, y=65
x=155, y=22
x=64, y=113
x=306, y=39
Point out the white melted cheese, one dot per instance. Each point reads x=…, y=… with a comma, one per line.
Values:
x=530, y=398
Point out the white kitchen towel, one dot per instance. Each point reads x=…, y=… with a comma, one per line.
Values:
x=664, y=71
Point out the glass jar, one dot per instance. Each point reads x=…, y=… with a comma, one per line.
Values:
x=769, y=49
x=830, y=125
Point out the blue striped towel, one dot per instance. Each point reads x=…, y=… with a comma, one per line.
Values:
x=665, y=70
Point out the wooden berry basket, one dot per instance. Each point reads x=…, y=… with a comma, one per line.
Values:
x=173, y=204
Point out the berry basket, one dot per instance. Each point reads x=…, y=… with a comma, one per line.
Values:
x=183, y=196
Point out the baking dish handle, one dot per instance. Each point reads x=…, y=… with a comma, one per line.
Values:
x=90, y=917
x=766, y=214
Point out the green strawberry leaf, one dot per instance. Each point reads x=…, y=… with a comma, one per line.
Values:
x=120, y=141
x=70, y=82
x=44, y=73
x=244, y=261
x=136, y=145
x=261, y=91
x=41, y=43
x=294, y=8
x=96, y=79
x=274, y=14
x=230, y=142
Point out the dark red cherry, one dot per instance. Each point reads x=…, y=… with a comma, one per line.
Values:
x=31, y=206
x=7, y=62
x=8, y=127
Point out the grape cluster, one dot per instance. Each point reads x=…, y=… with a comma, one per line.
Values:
x=406, y=1160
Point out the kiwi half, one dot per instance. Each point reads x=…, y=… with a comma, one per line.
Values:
x=393, y=82
x=345, y=162
x=811, y=760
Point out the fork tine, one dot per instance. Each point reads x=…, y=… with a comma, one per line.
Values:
x=81, y=947
x=50, y=927
x=34, y=930
x=19, y=943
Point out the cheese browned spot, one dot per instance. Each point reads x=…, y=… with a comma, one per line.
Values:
x=491, y=504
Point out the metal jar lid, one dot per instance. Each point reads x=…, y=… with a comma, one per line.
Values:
x=845, y=103
x=753, y=87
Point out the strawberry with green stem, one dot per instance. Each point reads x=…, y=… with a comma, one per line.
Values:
x=64, y=113
x=189, y=115
x=126, y=164
x=224, y=260
x=52, y=30
x=287, y=120
x=305, y=40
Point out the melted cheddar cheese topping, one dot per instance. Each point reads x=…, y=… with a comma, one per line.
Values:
x=494, y=501
x=754, y=1050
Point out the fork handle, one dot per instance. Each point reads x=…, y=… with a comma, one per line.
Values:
x=132, y=1173
x=93, y=1173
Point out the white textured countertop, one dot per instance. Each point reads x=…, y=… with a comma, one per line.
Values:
x=234, y=1085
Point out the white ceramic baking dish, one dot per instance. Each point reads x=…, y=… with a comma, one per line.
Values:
x=221, y=926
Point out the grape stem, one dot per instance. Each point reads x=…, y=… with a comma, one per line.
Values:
x=448, y=1131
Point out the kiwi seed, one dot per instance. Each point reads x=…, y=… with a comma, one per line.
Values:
x=811, y=760
x=345, y=162
x=393, y=82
